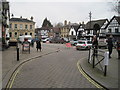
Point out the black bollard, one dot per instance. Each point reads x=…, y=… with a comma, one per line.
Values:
x=17, y=54
x=105, y=71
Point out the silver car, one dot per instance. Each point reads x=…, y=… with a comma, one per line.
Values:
x=83, y=45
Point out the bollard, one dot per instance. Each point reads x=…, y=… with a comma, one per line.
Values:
x=106, y=61
x=17, y=54
x=105, y=71
x=94, y=58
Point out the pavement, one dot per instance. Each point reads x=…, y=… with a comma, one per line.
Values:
x=111, y=79
x=9, y=64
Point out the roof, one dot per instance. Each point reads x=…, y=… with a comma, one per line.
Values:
x=99, y=22
x=20, y=20
x=56, y=29
x=117, y=18
x=76, y=27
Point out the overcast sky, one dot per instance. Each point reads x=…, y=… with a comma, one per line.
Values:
x=56, y=11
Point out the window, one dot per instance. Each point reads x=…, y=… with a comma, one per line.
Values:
x=116, y=30
x=21, y=26
x=30, y=26
x=15, y=34
x=25, y=33
x=10, y=34
x=15, y=25
x=11, y=25
x=26, y=26
x=31, y=34
x=109, y=30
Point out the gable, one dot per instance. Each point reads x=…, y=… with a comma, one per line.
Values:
x=72, y=30
x=114, y=22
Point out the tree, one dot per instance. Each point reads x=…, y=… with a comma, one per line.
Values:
x=59, y=24
x=116, y=7
x=46, y=23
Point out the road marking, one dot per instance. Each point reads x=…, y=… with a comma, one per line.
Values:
x=87, y=77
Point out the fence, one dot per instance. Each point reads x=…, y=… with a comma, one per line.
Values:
x=99, y=59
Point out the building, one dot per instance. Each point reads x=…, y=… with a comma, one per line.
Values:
x=96, y=27
x=73, y=32
x=64, y=30
x=4, y=23
x=42, y=32
x=113, y=27
x=21, y=26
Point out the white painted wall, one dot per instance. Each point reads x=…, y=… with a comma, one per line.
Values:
x=72, y=30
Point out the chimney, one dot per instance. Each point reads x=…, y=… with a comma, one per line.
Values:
x=31, y=18
x=65, y=22
x=69, y=22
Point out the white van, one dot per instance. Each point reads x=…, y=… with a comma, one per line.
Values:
x=21, y=38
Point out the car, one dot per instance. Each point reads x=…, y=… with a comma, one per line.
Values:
x=102, y=43
x=83, y=45
x=73, y=42
x=45, y=40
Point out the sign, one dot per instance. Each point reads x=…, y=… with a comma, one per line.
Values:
x=106, y=59
x=68, y=45
x=26, y=46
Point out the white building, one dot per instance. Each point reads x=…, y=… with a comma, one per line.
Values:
x=113, y=27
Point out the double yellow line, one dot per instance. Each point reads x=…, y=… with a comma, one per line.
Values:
x=13, y=76
x=16, y=71
x=88, y=77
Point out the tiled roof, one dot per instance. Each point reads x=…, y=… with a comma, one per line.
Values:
x=99, y=22
x=20, y=20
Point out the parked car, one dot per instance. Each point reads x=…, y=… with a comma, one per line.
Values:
x=74, y=42
x=83, y=45
x=45, y=40
x=102, y=43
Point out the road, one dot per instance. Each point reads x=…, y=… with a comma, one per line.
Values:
x=56, y=70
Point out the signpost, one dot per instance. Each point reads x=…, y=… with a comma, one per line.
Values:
x=26, y=46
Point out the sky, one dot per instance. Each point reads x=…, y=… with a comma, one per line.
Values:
x=57, y=11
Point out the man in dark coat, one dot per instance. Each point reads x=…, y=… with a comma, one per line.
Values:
x=38, y=45
x=110, y=45
x=118, y=48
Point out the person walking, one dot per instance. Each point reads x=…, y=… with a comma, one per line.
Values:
x=32, y=42
x=118, y=48
x=38, y=45
x=110, y=45
x=95, y=45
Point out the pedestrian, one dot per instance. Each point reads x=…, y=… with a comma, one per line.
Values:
x=95, y=42
x=32, y=43
x=118, y=48
x=38, y=45
x=95, y=45
x=110, y=45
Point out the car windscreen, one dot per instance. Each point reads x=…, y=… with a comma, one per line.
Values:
x=81, y=42
x=89, y=42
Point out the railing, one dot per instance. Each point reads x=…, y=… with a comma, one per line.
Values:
x=99, y=57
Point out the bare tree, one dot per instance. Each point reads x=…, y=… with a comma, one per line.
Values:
x=116, y=7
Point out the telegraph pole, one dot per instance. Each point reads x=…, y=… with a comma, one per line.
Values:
x=90, y=16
